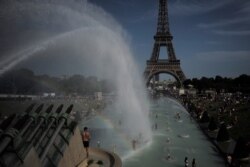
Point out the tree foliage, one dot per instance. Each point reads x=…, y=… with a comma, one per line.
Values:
x=24, y=81
x=241, y=83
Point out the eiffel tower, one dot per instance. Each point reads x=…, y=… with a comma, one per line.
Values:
x=163, y=38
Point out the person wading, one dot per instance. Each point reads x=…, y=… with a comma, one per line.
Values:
x=86, y=139
x=186, y=162
x=193, y=163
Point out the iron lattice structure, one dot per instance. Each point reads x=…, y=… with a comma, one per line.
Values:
x=163, y=38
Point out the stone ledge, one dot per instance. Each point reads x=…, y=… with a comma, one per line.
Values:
x=109, y=159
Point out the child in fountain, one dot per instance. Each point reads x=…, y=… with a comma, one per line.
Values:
x=134, y=144
x=168, y=156
x=156, y=126
x=98, y=144
x=168, y=140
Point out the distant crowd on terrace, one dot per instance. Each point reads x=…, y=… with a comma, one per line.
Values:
x=224, y=117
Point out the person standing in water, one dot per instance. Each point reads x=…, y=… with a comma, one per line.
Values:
x=193, y=163
x=156, y=126
x=186, y=162
x=86, y=139
x=134, y=144
x=98, y=144
x=168, y=156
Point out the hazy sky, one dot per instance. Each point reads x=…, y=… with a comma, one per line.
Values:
x=211, y=37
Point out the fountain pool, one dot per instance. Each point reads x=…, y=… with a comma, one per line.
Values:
x=173, y=139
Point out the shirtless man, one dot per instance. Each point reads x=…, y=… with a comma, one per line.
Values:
x=86, y=138
x=186, y=162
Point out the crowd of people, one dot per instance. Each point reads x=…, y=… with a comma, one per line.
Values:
x=227, y=109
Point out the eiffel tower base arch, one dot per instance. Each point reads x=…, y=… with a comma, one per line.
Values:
x=155, y=69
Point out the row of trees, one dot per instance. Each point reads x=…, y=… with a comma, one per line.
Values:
x=241, y=84
x=24, y=81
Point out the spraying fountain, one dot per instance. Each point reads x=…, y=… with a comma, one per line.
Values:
x=84, y=34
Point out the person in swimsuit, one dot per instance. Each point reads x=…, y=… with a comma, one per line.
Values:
x=134, y=144
x=186, y=162
x=86, y=139
x=193, y=163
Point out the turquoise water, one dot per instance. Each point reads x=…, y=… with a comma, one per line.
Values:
x=178, y=138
